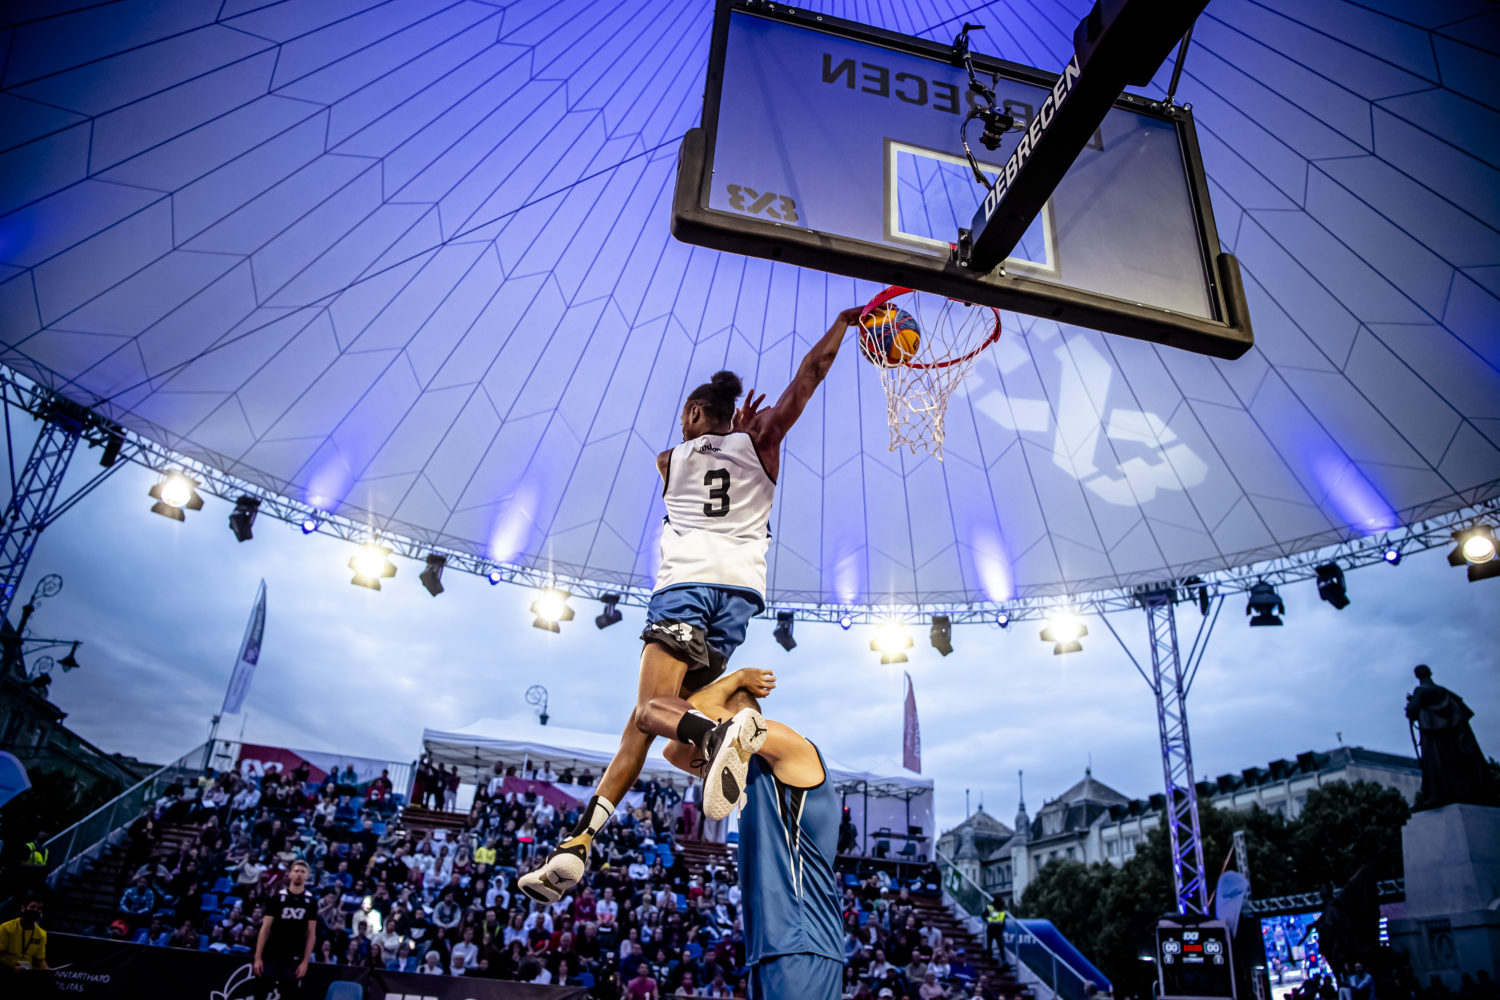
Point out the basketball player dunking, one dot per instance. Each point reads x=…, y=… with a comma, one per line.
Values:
x=789, y=831
x=718, y=485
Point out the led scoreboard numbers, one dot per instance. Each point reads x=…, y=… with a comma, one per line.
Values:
x=1193, y=959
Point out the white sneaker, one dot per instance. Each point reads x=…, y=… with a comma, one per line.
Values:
x=728, y=750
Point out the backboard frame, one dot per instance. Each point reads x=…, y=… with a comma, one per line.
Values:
x=1227, y=335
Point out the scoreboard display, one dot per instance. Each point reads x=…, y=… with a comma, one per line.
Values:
x=1193, y=959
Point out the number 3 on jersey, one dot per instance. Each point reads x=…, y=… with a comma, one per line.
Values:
x=719, y=493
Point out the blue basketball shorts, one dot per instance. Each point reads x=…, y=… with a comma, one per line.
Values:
x=701, y=625
x=797, y=977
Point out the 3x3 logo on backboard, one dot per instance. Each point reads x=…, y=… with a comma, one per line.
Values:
x=769, y=204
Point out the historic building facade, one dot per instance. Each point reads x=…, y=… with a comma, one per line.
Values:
x=1092, y=822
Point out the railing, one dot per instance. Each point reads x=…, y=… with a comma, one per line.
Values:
x=1053, y=971
x=1049, y=969
x=86, y=839
x=968, y=894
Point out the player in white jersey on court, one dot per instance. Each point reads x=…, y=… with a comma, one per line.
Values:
x=718, y=485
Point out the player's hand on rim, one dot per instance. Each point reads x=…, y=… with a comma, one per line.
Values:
x=850, y=316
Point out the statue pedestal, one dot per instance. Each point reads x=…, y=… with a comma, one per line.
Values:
x=1452, y=866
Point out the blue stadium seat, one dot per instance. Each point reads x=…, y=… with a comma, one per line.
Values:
x=852, y=880
x=681, y=903
x=586, y=980
x=344, y=990
x=378, y=827
x=695, y=949
x=239, y=949
x=733, y=838
x=202, y=942
x=210, y=901
x=222, y=886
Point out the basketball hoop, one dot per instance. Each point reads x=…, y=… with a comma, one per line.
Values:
x=917, y=385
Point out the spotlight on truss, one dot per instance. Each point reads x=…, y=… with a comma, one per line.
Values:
x=174, y=494
x=432, y=574
x=550, y=608
x=1475, y=547
x=942, y=634
x=243, y=516
x=1331, y=585
x=1265, y=604
x=371, y=565
x=891, y=642
x=783, y=631
x=611, y=613
x=1063, y=629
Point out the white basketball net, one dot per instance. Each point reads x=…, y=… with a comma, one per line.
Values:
x=917, y=389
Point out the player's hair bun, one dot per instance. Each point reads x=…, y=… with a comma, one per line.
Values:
x=727, y=383
x=717, y=396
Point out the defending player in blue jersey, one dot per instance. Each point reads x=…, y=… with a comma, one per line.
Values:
x=789, y=830
x=718, y=486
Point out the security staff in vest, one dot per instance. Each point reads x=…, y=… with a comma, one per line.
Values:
x=33, y=867
x=994, y=929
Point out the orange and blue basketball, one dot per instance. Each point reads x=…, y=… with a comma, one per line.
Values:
x=889, y=336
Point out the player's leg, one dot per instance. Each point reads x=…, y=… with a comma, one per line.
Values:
x=741, y=733
x=676, y=643
x=795, y=759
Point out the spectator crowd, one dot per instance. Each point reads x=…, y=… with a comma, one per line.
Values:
x=642, y=926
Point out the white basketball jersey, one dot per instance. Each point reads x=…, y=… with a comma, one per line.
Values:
x=717, y=529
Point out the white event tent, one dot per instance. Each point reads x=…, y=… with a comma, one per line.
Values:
x=882, y=797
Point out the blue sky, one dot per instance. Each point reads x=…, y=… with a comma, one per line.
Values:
x=161, y=608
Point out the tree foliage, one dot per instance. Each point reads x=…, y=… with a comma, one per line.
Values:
x=1109, y=913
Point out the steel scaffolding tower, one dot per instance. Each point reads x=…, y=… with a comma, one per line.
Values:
x=34, y=493
x=1168, y=684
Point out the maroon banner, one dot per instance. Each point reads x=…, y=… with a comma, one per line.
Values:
x=911, y=733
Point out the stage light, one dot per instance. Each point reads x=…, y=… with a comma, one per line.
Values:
x=173, y=495
x=942, y=634
x=1331, y=585
x=1199, y=589
x=370, y=566
x=891, y=642
x=1003, y=619
x=783, y=631
x=1265, y=604
x=1391, y=555
x=1475, y=547
x=1063, y=629
x=243, y=516
x=550, y=608
x=611, y=613
x=309, y=525
x=494, y=577
x=432, y=574
x=846, y=622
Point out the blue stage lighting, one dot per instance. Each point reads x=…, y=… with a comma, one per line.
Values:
x=846, y=622
x=1392, y=555
x=1002, y=619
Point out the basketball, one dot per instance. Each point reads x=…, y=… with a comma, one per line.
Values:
x=890, y=336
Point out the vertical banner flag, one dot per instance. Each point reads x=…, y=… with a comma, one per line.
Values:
x=244, y=666
x=911, y=733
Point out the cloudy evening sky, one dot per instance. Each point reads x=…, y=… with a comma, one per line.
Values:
x=161, y=607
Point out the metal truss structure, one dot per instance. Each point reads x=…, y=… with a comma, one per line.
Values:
x=1168, y=684
x=1431, y=531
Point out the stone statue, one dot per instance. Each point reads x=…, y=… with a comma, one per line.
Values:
x=1453, y=768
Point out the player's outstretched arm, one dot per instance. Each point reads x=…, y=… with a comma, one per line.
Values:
x=771, y=426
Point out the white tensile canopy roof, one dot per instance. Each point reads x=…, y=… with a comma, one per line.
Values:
x=410, y=263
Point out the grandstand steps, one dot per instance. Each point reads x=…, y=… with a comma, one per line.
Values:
x=92, y=899
x=420, y=821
